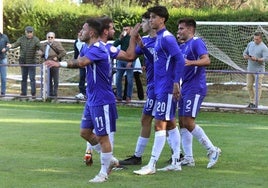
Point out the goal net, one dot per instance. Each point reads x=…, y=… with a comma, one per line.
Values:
x=226, y=42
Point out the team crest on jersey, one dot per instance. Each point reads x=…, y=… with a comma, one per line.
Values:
x=113, y=49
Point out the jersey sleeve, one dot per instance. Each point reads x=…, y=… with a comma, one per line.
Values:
x=172, y=48
x=95, y=53
x=113, y=51
x=138, y=50
x=200, y=46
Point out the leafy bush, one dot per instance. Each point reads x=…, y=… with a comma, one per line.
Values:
x=62, y=17
x=65, y=18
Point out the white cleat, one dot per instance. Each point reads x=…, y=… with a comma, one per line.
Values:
x=187, y=162
x=146, y=170
x=99, y=178
x=213, y=156
x=114, y=163
x=171, y=167
x=80, y=96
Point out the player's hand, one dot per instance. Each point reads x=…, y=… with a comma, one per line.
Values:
x=51, y=63
x=188, y=62
x=139, y=41
x=135, y=31
x=176, y=91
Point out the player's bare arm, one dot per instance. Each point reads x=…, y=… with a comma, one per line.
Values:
x=139, y=41
x=203, y=61
x=73, y=63
x=176, y=91
x=130, y=54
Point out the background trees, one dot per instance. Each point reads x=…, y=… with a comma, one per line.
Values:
x=65, y=17
x=233, y=4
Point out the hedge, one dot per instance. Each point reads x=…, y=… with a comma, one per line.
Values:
x=66, y=19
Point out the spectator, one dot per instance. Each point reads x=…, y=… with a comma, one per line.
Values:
x=148, y=42
x=136, y=72
x=4, y=41
x=256, y=53
x=123, y=41
x=29, y=44
x=82, y=71
x=53, y=50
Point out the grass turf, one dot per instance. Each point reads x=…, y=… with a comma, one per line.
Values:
x=40, y=147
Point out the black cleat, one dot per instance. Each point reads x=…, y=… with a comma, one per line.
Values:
x=133, y=160
x=181, y=158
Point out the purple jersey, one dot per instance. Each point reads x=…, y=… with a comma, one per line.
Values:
x=194, y=77
x=99, y=75
x=165, y=67
x=112, y=50
x=149, y=43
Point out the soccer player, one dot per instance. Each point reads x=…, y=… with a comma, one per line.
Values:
x=193, y=92
x=147, y=42
x=168, y=67
x=107, y=33
x=100, y=111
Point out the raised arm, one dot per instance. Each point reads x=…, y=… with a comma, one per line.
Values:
x=130, y=54
x=73, y=63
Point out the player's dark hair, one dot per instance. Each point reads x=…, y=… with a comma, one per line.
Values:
x=189, y=22
x=126, y=25
x=105, y=20
x=146, y=15
x=160, y=11
x=96, y=25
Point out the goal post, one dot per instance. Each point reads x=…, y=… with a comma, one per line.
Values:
x=226, y=42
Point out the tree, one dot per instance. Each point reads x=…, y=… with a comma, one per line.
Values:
x=234, y=4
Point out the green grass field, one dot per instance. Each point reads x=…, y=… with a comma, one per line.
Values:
x=40, y=147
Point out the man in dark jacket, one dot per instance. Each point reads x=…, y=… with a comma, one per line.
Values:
x=53, y=50
x=78, y=44
x=29, y=44
x=124, y=66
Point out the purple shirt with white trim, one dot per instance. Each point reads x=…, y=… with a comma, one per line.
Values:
x=99, y=75
x=166, y=70
x=149, y=43
x=194, y=77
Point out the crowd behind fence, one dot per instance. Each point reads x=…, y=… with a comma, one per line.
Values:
x=223, y=86
x=228, y=87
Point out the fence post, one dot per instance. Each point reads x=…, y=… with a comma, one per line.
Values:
x=43, y=94
x=44, y=89
x=257, y=90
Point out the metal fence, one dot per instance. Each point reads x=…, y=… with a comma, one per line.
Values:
x=224, y=86
x=227, y=87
